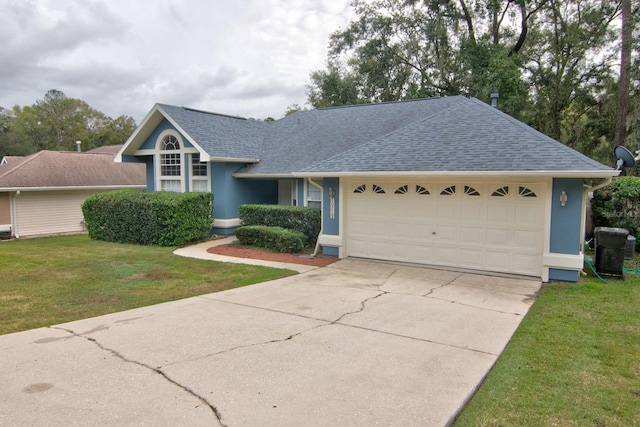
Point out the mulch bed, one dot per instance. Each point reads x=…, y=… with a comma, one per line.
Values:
x=252, y=253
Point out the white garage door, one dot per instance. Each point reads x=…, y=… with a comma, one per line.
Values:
x=49, y=212
x=488, y=226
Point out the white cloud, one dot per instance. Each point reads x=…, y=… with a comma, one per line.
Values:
x=250, y=58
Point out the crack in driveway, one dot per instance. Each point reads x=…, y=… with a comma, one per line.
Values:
x=158, y=371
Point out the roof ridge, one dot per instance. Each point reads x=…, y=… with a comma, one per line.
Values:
x=373, y=104
x=430, y=116
x=27, y=159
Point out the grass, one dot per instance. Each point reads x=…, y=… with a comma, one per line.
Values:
x=52, y=280
x=574, y=361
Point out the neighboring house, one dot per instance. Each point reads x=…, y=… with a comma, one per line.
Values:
x=42, y=193
x=448, y=181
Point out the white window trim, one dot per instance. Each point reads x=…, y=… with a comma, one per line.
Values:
x=157, y=162
x=192, y=178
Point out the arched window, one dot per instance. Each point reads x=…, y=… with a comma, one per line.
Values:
x=170, y=160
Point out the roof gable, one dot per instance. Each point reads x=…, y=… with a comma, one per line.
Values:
x=215, y=136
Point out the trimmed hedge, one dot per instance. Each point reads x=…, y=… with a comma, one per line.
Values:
x=303, y=219
x=149, y=218
x=275, y=238
x=618, y=205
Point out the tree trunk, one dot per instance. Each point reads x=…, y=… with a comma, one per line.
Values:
x=625, y=67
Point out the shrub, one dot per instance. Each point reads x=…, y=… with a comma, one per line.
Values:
x=618, y=205
x=274, y=238
x=303, y=219
x=149, y=218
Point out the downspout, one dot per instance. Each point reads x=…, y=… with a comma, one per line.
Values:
x=585, y=194
x=317, y=248
x=14, y=214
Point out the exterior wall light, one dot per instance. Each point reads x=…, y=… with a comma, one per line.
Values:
x=332, y=192
x=563, y=198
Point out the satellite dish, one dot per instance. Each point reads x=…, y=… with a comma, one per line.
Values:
x=624, y=157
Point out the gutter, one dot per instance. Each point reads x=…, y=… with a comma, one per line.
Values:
x=315, y=251
x=471, y=174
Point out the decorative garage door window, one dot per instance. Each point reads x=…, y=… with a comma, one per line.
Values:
x=360, y=189
x=501, y=192
x=402, y=190
x=470, y=191
x=421, y=190
x=363, y=188
x=525, y=192
x=449, y=191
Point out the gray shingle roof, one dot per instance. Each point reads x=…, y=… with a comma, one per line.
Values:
x=219, y=135
x=470, y=136
x=430, y=135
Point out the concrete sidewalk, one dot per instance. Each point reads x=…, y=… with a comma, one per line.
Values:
x=357, y=343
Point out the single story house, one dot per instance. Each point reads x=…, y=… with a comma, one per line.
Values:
x=41, y=194
x=448, y=181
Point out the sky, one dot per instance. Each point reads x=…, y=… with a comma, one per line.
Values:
x=250, y=58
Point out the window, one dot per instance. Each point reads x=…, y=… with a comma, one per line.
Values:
x=360, y=189
x=377, y=189
x=449, y=191
x=170, y=164
x=470, y=191
x=402, y=190
x=525, y=192
x=175, y=161
x=501, y=192
x=314, y=196
x=421, y=190
x=199, y=174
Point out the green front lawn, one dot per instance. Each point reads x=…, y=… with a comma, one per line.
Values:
x=53, y=280
x=574, y=361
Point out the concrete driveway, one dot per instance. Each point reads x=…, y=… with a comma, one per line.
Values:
x=358, y=343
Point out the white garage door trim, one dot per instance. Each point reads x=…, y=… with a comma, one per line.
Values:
x=494, y=226
x=49, y=212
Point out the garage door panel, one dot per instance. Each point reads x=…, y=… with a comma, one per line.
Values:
x=472, y=235
x=473, y=258
x=446, y=256
x=525, y=264
x=500, y=214
x=498, y=229
x=447, y=234
x=499, y=237
x=526, y=239
x=527, y=215
x=498, y=260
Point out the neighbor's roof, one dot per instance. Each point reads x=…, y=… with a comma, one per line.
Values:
x=58, y=169
x=106, y=149
x=436, y=135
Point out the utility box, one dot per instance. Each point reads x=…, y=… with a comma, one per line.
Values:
x=630, y=251
x=611, y=244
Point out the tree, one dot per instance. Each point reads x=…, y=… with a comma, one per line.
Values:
x=625, y=68
x=405, y=49
x=56, y=122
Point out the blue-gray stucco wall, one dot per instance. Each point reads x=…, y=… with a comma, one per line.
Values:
x=230, y=193
x=565, y=224
x=151, y=142
x=330, y=226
